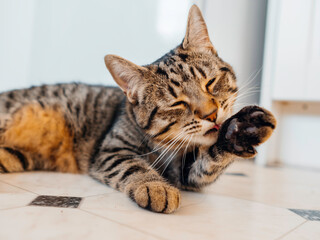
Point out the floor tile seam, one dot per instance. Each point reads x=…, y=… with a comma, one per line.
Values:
x=97, y=195
x=251, y=180
x=122, y=224
x=292, y=230
x=11, y=208
x=100, y=194
x=248, y=200
x=27, y=190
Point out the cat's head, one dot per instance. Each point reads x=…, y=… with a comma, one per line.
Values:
x=186, y=94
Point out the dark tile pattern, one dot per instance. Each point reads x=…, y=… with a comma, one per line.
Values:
x=311, y=215
x=56, y=201
x=236, y=174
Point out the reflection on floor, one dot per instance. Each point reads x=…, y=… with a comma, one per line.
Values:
x=247, y=202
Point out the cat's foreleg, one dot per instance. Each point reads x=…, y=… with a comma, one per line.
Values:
x=133, y=175
x=238, y=137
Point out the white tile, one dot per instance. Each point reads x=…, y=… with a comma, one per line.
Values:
x=307, y=231
x=59, y=184
x=281, y=187
x=57, y=223
x=235, y=207
x=11, y=197
x=202, y=216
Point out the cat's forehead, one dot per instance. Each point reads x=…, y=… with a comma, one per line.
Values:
x=187, y=69
x=178, y=58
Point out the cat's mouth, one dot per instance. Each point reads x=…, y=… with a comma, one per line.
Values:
x=212, y=130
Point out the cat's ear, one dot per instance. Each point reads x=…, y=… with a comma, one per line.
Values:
x=126, y=74
x=197, y=33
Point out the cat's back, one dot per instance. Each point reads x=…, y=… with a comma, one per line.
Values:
x=71, y=98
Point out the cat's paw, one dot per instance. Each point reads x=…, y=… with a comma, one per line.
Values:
x=157, y=196
x=246, y=129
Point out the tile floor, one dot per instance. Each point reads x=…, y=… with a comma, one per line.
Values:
x=247, y=202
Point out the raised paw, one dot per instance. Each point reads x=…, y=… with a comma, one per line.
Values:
x=157, y=196
x=246, y=129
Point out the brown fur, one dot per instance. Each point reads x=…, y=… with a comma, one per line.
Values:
x=165, y=198
x=10, y=161
x=44, y=135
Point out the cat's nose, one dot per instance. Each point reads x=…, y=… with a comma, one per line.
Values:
x=206, y=109
x=211, y=116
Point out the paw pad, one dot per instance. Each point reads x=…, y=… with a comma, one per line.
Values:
x=257, y=113
x=232, y=128
x=252, y=130
x=246, y=129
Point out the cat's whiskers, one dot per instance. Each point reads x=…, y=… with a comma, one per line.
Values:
x=144, y=139
x=251, y=78
x=156, y=148
x=242, y=104
x=194, y=149
x=173, y=154
x=164, y=140
x=168, y=148
x=248, y=82
x=147, y=137
x=238, y=101
x=184, y=156
x=173, y=141
x=246, y=94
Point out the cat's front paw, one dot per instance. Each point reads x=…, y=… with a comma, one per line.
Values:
x=246, y=129
x=157, y=196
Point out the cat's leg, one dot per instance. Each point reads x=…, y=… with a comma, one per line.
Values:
x=14, y=160
x=238, y=137
x=11, y=159
x=122, y=170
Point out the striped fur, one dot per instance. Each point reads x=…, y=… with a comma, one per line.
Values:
x=168, y=126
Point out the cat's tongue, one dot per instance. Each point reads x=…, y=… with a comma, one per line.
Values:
x=217, y=126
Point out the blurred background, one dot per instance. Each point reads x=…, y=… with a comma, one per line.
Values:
x=274, y=47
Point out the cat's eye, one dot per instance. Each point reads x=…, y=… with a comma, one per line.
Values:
x=180, y=103
x=209, y=83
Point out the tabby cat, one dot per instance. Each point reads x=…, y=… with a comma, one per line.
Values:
x=167, y=127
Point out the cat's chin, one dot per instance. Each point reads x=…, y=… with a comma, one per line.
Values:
x=205, y=140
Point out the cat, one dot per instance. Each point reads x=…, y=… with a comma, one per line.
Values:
x=168, y=127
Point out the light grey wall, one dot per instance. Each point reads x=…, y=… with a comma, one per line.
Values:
x=65, y=40
x=236, y=29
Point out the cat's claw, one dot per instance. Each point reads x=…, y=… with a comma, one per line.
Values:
x=246, y=129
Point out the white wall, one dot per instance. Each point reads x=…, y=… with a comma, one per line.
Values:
x=16, y=27
x=236, y=28
x=65, y=40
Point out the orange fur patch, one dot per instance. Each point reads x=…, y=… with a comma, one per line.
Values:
x=9, y=161
x=42, y=133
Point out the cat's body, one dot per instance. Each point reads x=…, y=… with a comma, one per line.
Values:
x=171, y=129
x=86, y=112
